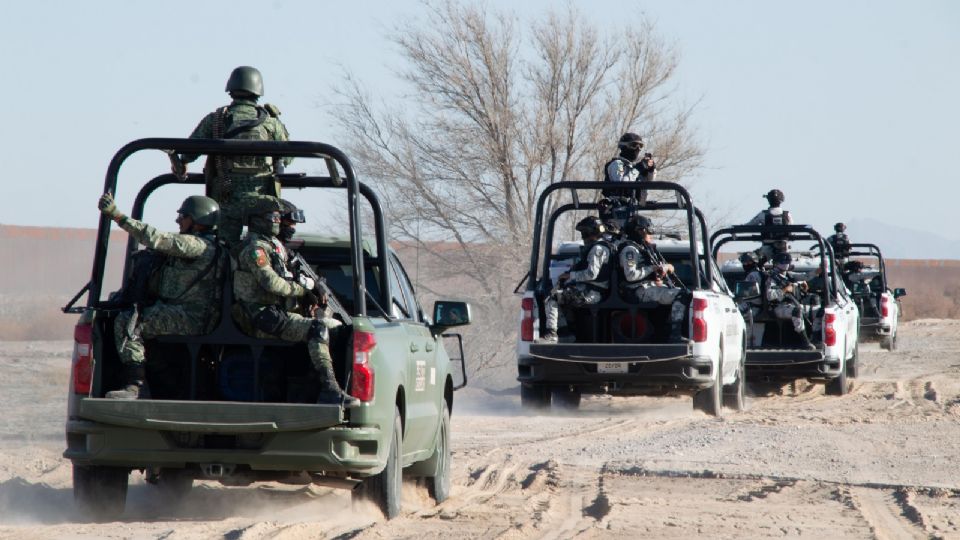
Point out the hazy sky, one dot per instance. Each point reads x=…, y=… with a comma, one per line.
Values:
x=852, y=108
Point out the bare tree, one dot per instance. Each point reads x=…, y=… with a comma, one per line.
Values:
x=496, y=112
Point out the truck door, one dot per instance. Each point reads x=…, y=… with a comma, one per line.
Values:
x=423, y=412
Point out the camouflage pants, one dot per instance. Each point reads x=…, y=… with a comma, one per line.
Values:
x=157, y=320
x=297, y=330
x=575, y=295
x=790, y=309
x=664, y=296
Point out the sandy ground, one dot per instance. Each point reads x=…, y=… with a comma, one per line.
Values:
x=882, y=462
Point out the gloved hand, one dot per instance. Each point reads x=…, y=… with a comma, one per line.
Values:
x=307, y=282
x=310, y=298
x=108, y=206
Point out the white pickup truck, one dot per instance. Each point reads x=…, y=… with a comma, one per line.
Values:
x=830, y=311
x=879, y=304
x=621, y=347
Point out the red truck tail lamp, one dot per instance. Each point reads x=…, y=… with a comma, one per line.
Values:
x=699, y=320
x=884, y=306
x=82, y=358
x=829, y=332
x=526, y=323
x=361, y=386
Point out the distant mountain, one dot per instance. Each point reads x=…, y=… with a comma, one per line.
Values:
x=901, y=242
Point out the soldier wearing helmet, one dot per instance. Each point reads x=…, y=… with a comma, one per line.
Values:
x=783, y=291
x=587, y=281
x=263, y=282
x=185, y=301
x=772, y=217
x=840, y=243
x=232, y=180
x=648, y=276
x=628, y=166
x=752, y=307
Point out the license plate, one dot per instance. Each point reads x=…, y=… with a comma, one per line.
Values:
x=613, y=367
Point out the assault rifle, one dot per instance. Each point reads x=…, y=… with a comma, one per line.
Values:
x=301, y=267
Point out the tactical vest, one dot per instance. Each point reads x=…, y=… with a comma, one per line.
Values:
x=243, y=122
x=648, y=255
x=194, y=281
x=841, y=245
x=606, y=169
x=602, y=281
x=772, y=219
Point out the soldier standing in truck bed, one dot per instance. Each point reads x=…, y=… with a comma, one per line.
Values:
x=233, y=180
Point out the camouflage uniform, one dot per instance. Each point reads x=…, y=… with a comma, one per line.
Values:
x=259, y=286
x=179, y=310
x=244, y=176
x=640, y=263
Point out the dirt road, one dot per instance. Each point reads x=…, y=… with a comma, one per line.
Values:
x=882, y=462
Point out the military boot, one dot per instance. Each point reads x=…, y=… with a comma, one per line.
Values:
x=330, y=391
x=134, y=375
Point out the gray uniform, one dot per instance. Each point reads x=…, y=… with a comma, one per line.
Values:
x=640, y=264
x=785, y=305
x=621, y=170
x=584, y=284
x=262, y=291
x=754, y=307
x=188, y=290
x=771, y=216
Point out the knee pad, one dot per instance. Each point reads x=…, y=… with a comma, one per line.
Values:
x=271, y=321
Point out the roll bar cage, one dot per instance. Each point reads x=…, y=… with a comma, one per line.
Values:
x=754, y=233
x=683, y=203
x=331, y=155
x=864, y=249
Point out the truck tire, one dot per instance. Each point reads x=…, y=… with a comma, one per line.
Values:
x=889, y=342
x=100, y=492
x=534, y=396
x=735, y=395
x=565, y=398
x=710, y=400
x=838, y=386
x=384, y=489
x=853, y=363
x=439, y=485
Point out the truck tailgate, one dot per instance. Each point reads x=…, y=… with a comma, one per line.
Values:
x=610, y=352
x=211, y=416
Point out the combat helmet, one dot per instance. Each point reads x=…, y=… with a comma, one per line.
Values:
x=774, y=197
x=637, y=226
x=246, y=79
x=203, y=210
x=590, y=226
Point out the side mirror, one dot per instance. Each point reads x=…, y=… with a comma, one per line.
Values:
x=449, y=313
x=747, y=290
x=897, y=293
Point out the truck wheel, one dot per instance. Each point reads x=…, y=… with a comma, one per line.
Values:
x=100, y=492
x=565, y=398
x=534, y=396
x=853, y=363
x=439, y=485
x=385, y=488
x=710, y=400
x=735, y=395
x=838, y=386
x=889, y=342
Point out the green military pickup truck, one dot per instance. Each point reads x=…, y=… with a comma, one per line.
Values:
x=225, y=406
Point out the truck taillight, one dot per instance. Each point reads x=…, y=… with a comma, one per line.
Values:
x=699, y=320
x=884, y=306
x=82, y=358
x=361, y=386
x=526, y=321
x=829, y=332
